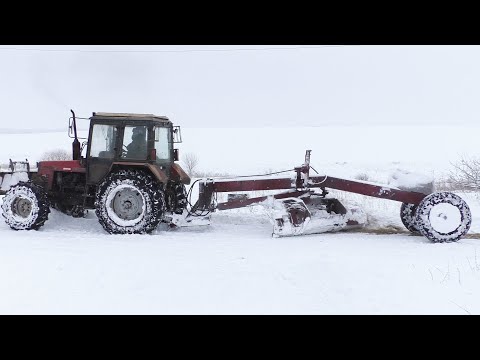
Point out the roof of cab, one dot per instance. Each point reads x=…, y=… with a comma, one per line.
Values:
x=127, y=116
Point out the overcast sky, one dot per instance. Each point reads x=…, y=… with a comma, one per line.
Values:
x=242, y=86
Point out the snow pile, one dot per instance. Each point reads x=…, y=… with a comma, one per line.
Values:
x=411, y=181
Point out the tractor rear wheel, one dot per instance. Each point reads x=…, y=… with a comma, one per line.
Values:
x=25, y=206
x=408, y=216
x=129, y=202
x=443, y=217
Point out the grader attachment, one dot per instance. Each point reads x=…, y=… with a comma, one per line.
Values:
x=306, y=208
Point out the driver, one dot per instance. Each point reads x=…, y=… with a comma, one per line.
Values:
x=137, y=149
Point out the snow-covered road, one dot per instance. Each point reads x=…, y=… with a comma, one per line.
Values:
x=234, y=266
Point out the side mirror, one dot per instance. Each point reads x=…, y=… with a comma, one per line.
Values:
x=70, y=128
x=177, y=135
x=175, y=155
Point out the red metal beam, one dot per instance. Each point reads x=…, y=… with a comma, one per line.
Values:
x=378, y=191
x=234, y=204
x=383, y=192
x=252, y=185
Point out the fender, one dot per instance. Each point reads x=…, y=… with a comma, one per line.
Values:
x=181, y=174
x=159, y=173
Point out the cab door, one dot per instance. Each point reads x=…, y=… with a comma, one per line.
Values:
x=103, y=150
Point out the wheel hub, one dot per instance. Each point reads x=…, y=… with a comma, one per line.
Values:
x=445, y=218
x=128, y=204
x=22, y=207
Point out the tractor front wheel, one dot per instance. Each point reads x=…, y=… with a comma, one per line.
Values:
x=129, y=202
x=25, y=206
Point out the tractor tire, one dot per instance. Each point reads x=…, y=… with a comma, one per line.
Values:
x=129, y=202
x=25, y=206
x=176, y=198
x=443, y=217
x=408, y=216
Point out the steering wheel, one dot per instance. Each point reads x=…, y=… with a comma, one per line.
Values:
x=124, y=150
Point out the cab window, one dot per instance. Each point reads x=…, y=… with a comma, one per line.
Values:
x=103, y=141
x=162, y=143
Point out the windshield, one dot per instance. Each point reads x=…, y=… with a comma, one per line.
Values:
x=135, y=142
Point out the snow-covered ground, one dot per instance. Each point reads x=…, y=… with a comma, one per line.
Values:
x=234, y=265
x=336, y=150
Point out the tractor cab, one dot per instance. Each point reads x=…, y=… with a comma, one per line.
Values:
x=118, y=139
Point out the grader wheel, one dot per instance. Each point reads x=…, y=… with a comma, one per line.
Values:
x=408, y=216
x=443, y=217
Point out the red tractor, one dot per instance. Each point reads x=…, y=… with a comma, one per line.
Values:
x=129, y=176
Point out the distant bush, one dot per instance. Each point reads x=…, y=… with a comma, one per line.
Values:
x=465, y=175
x=443, y=184
x=190, y=163
x=56, y=155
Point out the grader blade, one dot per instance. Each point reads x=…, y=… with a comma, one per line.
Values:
x=290, y=217
x=313, y=215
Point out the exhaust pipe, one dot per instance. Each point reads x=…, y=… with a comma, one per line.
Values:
x=76, y=144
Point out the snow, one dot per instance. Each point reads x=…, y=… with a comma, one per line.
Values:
x=234, y=265
x=10, y=180
x=407, y=180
